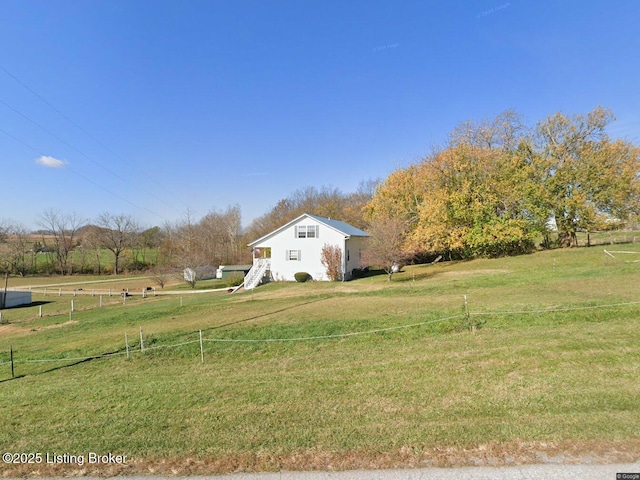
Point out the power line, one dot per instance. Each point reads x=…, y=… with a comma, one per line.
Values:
x=82, y=153
x=79, y=127
x=83, y=176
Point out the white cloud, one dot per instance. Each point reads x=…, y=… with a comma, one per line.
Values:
x=50, y=162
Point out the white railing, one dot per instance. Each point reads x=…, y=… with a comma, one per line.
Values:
x=254, y=276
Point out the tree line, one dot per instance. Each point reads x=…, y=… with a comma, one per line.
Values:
x=68, y=244
x=498, y=187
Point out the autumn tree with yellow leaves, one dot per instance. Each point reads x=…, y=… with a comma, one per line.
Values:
x=588, y=178
x=498, y=186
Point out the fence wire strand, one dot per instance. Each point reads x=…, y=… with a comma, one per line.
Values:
x=554, y=310
x=327, y=337
x=138, y=349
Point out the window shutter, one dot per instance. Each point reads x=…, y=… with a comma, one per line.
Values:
x=295, y=232
x=299, y=255
x=286, y=255
x=317, y=231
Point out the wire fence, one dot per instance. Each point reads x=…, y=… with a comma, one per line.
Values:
x=44, y=310
x=113, y=292
x=141, y=348
x=613, y=237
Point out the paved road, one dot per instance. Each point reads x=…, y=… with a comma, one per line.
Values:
x=524, y=472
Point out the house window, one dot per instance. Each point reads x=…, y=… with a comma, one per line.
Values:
x=294, y=255
x=307, y=231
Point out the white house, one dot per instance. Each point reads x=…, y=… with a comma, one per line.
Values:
x=297, y=247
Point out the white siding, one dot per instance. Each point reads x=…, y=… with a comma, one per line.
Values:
x=297, y=247
x=309, y=250
x=354, y=247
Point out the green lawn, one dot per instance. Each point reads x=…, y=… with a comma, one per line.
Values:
x=337, y=375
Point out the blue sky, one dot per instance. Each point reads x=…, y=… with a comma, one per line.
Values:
x=154, y=107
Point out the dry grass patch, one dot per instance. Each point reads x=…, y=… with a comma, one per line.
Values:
x=491, y=454
x=545, y=386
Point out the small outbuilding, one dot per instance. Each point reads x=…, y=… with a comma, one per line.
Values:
x=226, y=271
x=14, y=298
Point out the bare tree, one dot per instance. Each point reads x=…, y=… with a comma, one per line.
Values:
x=505, y=131
x=160, y=275
x=150, y=239
x=221, y=234
x=5, y=230
x=232, y=221
x=19, y=250
x=62, y=229
x=91, y=240
x=190, y=255
x=386, y=247
x=116, y=234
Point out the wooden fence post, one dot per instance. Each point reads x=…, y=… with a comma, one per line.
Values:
x=466, y=314
x=201, y=349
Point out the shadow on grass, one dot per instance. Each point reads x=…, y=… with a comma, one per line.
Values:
x=17, y=377
x=400, y=276
x=120, y=351
x=369, y=272
x=61, y=367
x=264, y=314
x=27, y=305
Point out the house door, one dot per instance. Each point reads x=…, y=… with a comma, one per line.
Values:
x=263, y=252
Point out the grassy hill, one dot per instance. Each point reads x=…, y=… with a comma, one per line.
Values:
x=336, y=375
